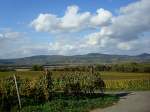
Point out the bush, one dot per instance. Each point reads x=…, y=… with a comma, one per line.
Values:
x=8, y=93
x=76, y=83
x=6, y=69
x=37, y=68
x=39, y=90
x=43, y=87
x=125, y=67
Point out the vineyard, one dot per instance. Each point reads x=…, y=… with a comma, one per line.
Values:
x=39, y=87
x=127, y=84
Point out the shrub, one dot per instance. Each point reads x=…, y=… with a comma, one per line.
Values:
x=37, y=68
x=8, y=93
x=76, y=83
x=6, y=69
x=43, y=87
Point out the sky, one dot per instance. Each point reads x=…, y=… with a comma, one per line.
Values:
x=73, y=27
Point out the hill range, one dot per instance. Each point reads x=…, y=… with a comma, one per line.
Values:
x=91, y=58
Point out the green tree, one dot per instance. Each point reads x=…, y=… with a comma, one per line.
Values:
x=37, y=68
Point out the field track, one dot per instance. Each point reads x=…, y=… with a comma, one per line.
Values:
x=133, y=102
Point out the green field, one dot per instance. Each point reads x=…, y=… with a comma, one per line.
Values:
x=104, y=75
x=123, y=75
x=23, y=74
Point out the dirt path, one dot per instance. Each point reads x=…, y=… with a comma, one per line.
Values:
x=134, y=102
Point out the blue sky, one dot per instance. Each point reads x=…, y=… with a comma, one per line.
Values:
x=68, y=27
x=23, y=11
x=14, y=13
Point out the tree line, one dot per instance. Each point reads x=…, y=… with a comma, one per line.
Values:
x=119, y=67
x=122, y=67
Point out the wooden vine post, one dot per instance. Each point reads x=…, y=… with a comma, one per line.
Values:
x=19, y=101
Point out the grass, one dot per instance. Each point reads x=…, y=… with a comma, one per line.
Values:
x=23, y=74
x=74, y=104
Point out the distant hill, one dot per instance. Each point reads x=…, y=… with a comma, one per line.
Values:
x=91, y=58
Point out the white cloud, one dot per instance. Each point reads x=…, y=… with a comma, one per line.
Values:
x=8, y=34
x=24, y=50
x=72, y=21
x=60, y=48
x=16, y=44
x=46, y=23
x=102, y=18
x=124, y=33
x=132, y=22
x=22, y=47
x=93, y=38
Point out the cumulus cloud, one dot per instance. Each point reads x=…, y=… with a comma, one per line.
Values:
x=132, y=22
x=46, y=23
x=93, y=39
x=102, y=18
x=72, y=21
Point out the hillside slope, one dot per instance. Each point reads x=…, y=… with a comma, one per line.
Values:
x=91, y=58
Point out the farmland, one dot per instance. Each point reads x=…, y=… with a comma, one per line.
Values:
x=67, y=89
x=113, y=80
x=104, y=75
